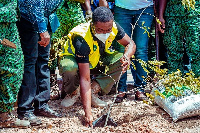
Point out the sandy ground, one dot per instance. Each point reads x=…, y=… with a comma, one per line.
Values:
x=131, y=116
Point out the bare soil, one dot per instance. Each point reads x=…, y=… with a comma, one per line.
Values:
x=131, y=116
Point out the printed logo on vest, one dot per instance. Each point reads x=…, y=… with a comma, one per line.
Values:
x=95, y=48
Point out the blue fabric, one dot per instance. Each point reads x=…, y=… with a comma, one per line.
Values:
x=125, y=18
x=96, y=4
x=133, y=4
x=122, y=87
x=38, y=11
x=54, y=22
x=35, y=86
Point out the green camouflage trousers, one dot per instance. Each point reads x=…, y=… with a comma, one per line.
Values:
x=177, y=29
x=11, y=67
x=105, y=76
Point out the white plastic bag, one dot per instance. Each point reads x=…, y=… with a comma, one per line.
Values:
x=179, y=107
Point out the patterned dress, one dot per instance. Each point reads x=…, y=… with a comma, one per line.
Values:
x=182, y=25
x=11, y=60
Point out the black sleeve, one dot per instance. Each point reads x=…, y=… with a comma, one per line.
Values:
x=121, y=32
x=82, y=49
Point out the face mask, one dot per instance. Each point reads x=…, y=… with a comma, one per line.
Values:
x=102, y=37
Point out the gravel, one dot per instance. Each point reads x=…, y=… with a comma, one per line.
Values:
x=131, y=116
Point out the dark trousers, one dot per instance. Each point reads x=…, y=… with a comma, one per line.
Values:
x=35, y=89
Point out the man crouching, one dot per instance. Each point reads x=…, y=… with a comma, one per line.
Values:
x=89, y=51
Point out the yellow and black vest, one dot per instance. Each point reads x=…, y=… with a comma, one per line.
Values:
x=83, y=30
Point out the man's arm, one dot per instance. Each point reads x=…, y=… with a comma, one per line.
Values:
x=85, y=87
x=82, y=51
x=87, y=7
x=161, y=10
x=41, y=22
x=130, y=48
x=103, y=3
x=35, y=9
x=88, y=11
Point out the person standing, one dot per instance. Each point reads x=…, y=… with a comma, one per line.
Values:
x=37, y=22
x=181, y=28
x=136, y=16
x=11, y=62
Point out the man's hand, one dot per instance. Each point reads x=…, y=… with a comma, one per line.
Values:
x=8, y=43
x=88, y=15
x=45, y=39
x=129, y=50
x=125, y=63
x=161, y=27
x=88, y=121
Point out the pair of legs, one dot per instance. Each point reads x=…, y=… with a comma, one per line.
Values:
x=36, y=79
x=69, y=71
x=35, y=89
x=126, y=18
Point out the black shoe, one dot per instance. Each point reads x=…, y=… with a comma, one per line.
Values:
x=34, y=121
x=120, y=99
x=47, y=112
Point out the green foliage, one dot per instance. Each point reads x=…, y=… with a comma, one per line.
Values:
x=175, y=84
x=70, y=15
